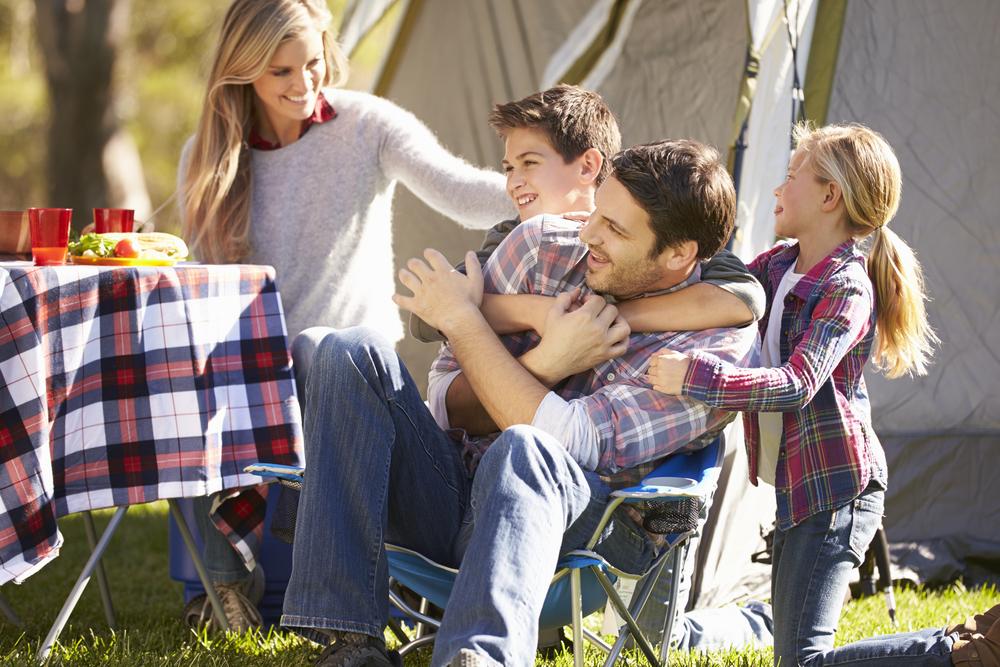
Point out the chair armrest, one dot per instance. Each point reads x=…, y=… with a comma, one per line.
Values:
x=689, y=475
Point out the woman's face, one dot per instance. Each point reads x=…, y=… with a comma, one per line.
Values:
x=286, y=91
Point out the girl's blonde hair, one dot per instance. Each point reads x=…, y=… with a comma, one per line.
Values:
x=216, y=186
x=865, y=167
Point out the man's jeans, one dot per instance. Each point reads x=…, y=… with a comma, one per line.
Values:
x=379, y=469
x=812, y=565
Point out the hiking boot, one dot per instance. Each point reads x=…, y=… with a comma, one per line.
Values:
x=352, y=649
x=239, y=604
x=979, y=650
x=976, y=625
x=469, y=658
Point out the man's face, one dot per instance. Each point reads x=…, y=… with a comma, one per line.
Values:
x=538, y=179
x=620, y=240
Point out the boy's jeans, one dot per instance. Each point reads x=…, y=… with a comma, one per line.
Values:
x=381, y=470
x=813, y=562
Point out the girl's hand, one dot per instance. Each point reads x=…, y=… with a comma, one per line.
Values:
x=666, y=372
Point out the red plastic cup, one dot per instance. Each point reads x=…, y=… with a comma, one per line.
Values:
x=113, y=220
x=49, y=229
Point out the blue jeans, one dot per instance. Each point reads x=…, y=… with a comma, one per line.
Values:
x=812, y=564
x=381, y=470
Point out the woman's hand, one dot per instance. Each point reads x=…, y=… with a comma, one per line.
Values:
x=666, y=372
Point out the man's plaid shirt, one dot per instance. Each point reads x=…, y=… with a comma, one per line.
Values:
x=637, y=426
x=829, y=452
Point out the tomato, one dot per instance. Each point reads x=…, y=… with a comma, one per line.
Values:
x=126, y=248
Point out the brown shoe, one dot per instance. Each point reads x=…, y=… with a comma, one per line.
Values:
x=976, y=625
x=979, y=650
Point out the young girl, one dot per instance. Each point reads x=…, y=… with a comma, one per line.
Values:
x=808, y=419
x=287, y=170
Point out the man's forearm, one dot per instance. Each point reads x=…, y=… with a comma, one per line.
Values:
x=508, y=392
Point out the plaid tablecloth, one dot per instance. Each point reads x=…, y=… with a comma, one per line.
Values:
x=127, y=385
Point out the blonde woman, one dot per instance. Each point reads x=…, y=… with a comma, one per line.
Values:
x=287, y=170
x=806, y=411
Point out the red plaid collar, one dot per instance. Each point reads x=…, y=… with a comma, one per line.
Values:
x=323, y=112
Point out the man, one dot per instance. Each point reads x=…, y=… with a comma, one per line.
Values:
x=577, y=414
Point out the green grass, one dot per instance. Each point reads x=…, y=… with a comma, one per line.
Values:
x=148, y=605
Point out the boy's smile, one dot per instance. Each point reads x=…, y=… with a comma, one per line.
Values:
x=539, y=180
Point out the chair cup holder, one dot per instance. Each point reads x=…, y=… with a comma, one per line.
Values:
x=669, y=515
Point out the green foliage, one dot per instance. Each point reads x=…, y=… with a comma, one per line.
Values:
x=148, y=606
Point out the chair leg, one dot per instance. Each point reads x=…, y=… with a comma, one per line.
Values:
x=677, y=563
x=199, y=564
x=102, y=579
x=9, y=612
x=81, y=584
x=576, y=595
x=623, y=611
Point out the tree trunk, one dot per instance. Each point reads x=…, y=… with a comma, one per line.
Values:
x=80, y=41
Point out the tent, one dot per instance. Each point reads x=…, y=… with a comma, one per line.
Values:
x=727, y=73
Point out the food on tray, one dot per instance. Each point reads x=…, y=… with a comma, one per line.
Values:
x=130, y=245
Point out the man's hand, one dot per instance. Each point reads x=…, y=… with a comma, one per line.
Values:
x=667, y=371
x=442, y=296
x=577, y=338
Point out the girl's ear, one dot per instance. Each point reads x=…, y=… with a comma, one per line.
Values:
x=832, y=196
x=590, y=165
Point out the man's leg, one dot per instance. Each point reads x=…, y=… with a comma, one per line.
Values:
x=378, y=468
x=530, y=502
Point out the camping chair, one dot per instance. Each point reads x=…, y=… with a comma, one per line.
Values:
x=671, y=498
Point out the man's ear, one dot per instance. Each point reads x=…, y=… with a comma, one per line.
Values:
x=590, y=165
x=832, y=196
x=680, y=257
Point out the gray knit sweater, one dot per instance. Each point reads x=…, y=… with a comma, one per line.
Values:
x=321, y=209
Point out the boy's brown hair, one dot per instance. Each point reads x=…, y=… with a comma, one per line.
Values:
x=684, y=188
x=573, y=119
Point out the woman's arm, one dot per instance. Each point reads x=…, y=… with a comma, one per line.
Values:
x=473, y=197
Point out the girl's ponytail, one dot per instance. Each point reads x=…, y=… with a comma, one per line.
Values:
x=905, y=339
x=864, y=165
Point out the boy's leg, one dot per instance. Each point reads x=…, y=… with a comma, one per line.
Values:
x=377, y=468
x=813, y=562
x=530, y=502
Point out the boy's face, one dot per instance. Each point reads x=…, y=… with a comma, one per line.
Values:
x=621, y=241
x=539, y=180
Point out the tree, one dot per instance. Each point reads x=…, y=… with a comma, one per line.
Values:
x=90, y=161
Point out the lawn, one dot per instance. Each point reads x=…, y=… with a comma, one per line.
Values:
x=148, y=606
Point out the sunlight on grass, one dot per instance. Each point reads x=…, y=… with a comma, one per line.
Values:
x=148, y=606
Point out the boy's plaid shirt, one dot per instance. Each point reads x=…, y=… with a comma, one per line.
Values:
x=829, y=451
x=637, y=426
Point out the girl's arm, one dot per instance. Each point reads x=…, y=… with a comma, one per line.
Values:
x=840, y=320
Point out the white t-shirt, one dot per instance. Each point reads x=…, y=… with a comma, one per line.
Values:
x=771, y=426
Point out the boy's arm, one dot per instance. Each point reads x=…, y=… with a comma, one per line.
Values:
x=728, y=295
x=494, y=236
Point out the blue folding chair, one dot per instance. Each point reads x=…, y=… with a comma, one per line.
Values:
x=670, y=498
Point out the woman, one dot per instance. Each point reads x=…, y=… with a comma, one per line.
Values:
x=289, y=171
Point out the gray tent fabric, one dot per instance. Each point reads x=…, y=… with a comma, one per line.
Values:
x=920, y=72
x=924, y=75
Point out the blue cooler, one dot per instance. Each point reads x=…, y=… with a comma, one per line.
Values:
x=275, y=558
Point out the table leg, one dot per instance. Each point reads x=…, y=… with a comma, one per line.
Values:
x=81, y=584
x=102, y=579
x=199, y=565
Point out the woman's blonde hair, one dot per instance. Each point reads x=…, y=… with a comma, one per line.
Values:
x=216, y=186
x=865, y=167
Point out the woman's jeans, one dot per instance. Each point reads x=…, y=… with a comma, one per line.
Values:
x=813, y=563
x=379, y=469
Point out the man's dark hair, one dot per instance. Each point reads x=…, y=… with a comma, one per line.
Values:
x=684, y=188
x=573, y=119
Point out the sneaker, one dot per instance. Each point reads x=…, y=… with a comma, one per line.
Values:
x=468, y=658
x=352, y=649
x=976, y=625
x=239, y=604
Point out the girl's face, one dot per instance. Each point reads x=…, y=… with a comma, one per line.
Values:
x=800, y=198
x=286, y=92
